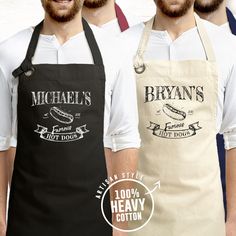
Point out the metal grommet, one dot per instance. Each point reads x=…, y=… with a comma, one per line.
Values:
x=140, y=69
x=29, y=72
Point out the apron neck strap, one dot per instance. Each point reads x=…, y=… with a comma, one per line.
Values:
x=210, y=55
x=147, y=32
x=97, y=57
x=33, y=42
x=123, y=23
x=138, y=63
x=27, y=63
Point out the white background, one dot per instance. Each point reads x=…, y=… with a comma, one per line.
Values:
x=16, y=15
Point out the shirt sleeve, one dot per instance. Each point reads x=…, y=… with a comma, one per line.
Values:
x=123, y=127
x=228, y=127
x=5, y=116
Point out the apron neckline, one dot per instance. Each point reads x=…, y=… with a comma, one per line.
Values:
x=27, y=66
x=139, y=64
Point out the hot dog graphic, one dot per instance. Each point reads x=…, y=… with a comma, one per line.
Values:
x=174, y=113
x=61, y=116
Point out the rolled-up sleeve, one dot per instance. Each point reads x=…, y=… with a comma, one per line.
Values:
x=123, y=128
x=228, y=127
x=5, y=113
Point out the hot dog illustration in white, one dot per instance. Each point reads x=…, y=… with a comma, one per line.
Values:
x=66, y=132
x=61, y=116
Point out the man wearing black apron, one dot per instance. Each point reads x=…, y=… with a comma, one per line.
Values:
x=60, y=161
x=108, y=15
x=216, y=12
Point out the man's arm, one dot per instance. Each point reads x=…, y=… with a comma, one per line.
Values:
x=228, y=129
x=124, y=161
x=10, y=162
x=231, y=191
x=122, y=136
x=108, y=155
x=3, y=191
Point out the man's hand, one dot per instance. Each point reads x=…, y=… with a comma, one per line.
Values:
x=2, y=230
x=119, y=233
x=231, y=228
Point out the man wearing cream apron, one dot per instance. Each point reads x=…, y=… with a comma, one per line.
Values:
x=216, y=12
x=177, y=102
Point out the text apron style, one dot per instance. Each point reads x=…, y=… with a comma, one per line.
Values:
x=177, y=110
x=60, y=158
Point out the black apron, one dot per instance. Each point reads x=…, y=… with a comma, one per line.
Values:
x=60, y=159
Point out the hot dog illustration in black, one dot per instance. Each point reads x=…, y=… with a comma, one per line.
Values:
x=174, y=113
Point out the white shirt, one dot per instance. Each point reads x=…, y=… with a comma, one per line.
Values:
x=143, y=9
x=120, y=125
x=226, y=27
x=112, y=27
x=188, y=47
x=232, y=6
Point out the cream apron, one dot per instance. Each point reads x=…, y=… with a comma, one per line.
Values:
x=177, y=109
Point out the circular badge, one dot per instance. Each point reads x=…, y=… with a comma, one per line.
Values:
x=132, y=205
